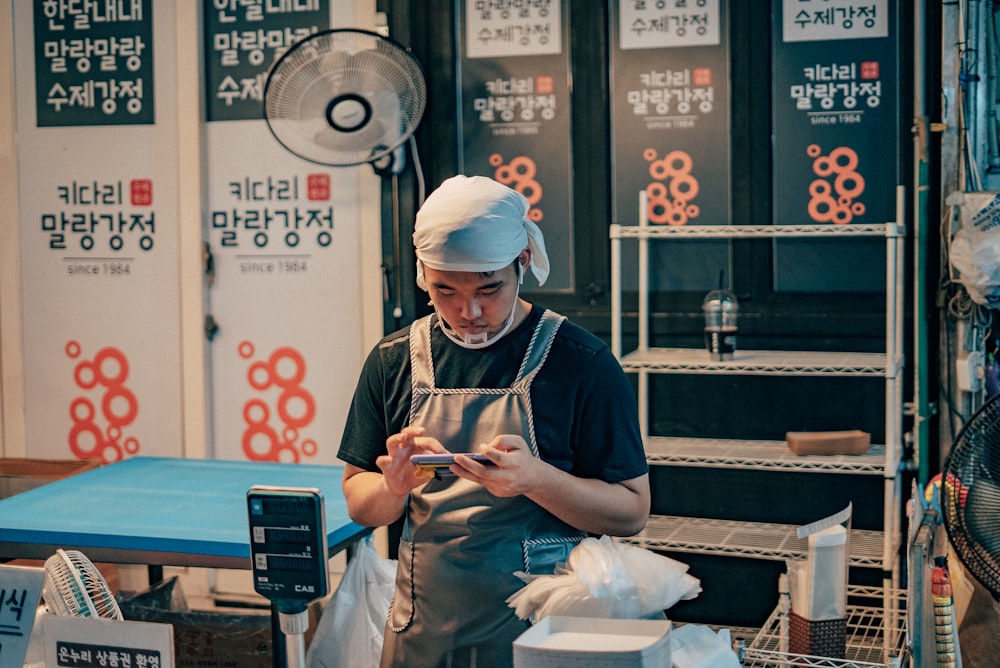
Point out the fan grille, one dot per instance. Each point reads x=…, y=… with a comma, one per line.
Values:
x=75, y=588
x=970, y=496
x=344, y=97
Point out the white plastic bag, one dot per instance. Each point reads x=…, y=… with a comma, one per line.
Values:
x=349, y=633
x=975, y=248
x=605, y=578
x=696, y=646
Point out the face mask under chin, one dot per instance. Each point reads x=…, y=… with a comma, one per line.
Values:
x=486, y=339
x=478, y=341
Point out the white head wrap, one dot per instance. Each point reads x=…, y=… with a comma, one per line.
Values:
x=473, y=223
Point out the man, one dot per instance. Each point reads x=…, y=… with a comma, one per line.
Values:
x=544, y=400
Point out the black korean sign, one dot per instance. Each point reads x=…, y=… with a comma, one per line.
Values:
x=242, y=41
x=671, y=128
x=836, y=135
x=94, y=63
x=515, y=113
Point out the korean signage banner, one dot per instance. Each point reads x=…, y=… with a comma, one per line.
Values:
x=97, y=169
x=285, y=239
x=836, y=136
x=671, y=128
x=514, y=115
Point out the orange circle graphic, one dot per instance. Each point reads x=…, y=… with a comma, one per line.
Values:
x=310, y=447
x=844, y=159
x=684, y=187
x=108, y=401
x=298, y=362
x=113, y=355
x=306, y=415
x=524, y=167
x=819, y=188
x=78, y=375
x=270, y=438
x=679, y=162
x=842, y=184
x=532, y=191
x=254, y=371
x=77, y=404
x=77, y=447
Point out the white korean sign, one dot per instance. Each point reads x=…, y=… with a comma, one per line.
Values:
x=672, y=23
x=20, y=592
x=497, y=30
x=97, y=171
x=285, y=236
x=86, y=642
x=821, y=20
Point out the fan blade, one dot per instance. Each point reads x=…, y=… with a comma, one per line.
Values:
x=344, y=97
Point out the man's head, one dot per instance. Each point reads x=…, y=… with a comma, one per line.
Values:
x=473, y=223
x=473, y=242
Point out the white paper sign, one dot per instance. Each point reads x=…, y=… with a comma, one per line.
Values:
x=86, y=642
x=660, y=25
x=20, y=591
x=528, y=29
x=819, y=21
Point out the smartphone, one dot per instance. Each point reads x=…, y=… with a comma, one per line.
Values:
x=439, y=463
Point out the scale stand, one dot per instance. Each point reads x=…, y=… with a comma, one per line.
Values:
x=289, y=558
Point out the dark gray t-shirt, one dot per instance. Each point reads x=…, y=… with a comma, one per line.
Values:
x=583, y=406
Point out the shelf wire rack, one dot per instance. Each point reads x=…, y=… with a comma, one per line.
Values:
x=876, y=635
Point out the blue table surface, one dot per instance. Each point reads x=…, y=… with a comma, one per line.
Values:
x=167, y=506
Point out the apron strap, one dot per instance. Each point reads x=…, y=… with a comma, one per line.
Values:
x=538, y=348
x=422, y=360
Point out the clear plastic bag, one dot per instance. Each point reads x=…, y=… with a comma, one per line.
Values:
x=350, y=630
x=975, y=247
x=606, y=578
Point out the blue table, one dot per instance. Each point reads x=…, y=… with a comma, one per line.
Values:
x=161, y=511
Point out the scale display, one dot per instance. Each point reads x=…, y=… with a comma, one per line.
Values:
x=288, y=545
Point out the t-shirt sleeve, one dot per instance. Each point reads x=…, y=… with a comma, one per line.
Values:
x=608, y=442
x=365, y=430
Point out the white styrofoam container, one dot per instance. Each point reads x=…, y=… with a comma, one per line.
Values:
x=583, y=642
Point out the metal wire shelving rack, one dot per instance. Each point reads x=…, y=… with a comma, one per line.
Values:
x=876, y=637
x=876, y=623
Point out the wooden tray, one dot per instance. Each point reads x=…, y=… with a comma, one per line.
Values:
x=853, y=442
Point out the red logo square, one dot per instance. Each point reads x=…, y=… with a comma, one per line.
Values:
x=141, y=191
x=544, y=85
x=869, y=69
x=701, y=76
x=318, y=187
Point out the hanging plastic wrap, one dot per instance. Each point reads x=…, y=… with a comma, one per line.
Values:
x=605, y=578
x=975, y=248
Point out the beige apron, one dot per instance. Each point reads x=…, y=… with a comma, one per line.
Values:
x=460, y=544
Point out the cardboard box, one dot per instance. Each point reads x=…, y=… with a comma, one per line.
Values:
x=586, y=642
x=21, y=474
x=211, y=638
x=204, y=639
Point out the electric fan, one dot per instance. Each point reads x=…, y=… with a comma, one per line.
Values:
x=344, y=97
x=970, y=496
x=75, y=588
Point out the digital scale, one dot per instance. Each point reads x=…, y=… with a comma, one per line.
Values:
x=289, y=556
